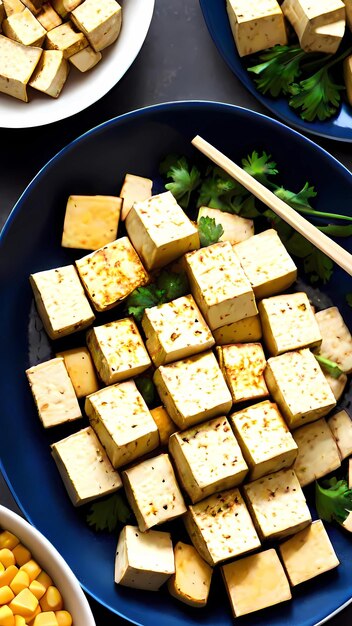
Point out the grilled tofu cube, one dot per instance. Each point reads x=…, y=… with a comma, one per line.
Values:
x=288, y=323
x=243, y=366
x=247, y=330
x=277, y=505
x=51, y=73
x=17, y=64
x=53, y=393
x=265, y=440
x=143, y=560
x=153, y=492
x=85, y=59
x=315, y=23
x=13, y=6
x=255, y=582
x=220, y=527
x=121, y=419
x=100, y=21
x=337, y=339
x=61, y=301
x=340, y=425
x=175, y=330
x=317, y=452
x=337, y=385
x=299, y=387
x=266, y=263
x=219, y=285
x=193, y=389
x=79, y=365
x=66, y=39
x=201, y=468
x=91, y=222
x=84, y=467
x=24, y=28
x=160, y=230
x=134, y=189
x=64, y=7
x=347, y=73
x=308, y=554
x=166, y=426
x=254, y=27
x=111, y=273
x=48, y=17
x=118, y=350
x=191, y=582
x=235, y=228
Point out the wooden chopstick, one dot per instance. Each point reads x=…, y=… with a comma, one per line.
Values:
x=281, y=208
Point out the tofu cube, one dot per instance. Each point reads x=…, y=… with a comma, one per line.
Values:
x=266, y=263
x=66, y=39
x=243, y=366
x=153, y=492
x=86, y=59
x=24, y=28
x=348, y=7
x=63, y=7
x=91, y=222
x=17, y=64
x=303, y=12
x=33, y=5
x=277, y=505
x=79, y=365
x=235, y=228
x=143, y=560
x=111, y=273
x=265, y=440
x=337, y=339
x=299, y=387
x=118, y=350
x=347, y=73
x=326, y=38
x=13, y=6
x=308, y=554
x=256, y=582
x=175, y=330
x=219, y=285
x=2, y=13
x=191, y=582
x=166, y=426
x=193, y=390
x=51, y=73
x=202, y=470
x=61, y=301
x=220, y=527
x=134, y=189
x=247, y=330
x=84, y=467
x=53, y=393
x=337, y=385
x=350, y=473
x=160, y=230
x=121, y=419
x=340, y=425
x=48, y=17
x=317, y=452
x=288, y=323
x=100, y=21
x=254, y=27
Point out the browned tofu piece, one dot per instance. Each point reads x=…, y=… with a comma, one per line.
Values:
x=66, y=38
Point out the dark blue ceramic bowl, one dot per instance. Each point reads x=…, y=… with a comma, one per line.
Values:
x=95, y=164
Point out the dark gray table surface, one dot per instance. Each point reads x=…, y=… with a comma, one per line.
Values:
x=177, y=62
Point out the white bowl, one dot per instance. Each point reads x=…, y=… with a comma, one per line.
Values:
x=50, y=560
x=83, y=89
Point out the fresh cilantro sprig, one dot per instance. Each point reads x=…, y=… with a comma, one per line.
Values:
x=316, y=97
x=278, y=69
x=333, y=500
x=109, y=513
x=168, y=286
x=146, y=388
x=209, y=231
x=184, y=179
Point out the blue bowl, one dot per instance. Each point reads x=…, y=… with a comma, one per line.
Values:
x=95, y=164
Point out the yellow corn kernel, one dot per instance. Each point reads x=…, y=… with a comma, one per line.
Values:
x=52, y=600
x=64, y=618
x=44, y=579
x=22, y=554
x=6, y=557
x=30, y=620
x=8, y=575
x=25, y=603
x=37, y=589
x=6, y=616
x=6, y=595
x=19, y=621
x=8, y=540
x=19, y=582
x=32, y=568
x=46, y=618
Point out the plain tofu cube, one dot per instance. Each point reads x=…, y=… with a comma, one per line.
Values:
x=255, y=582
x=160, y=230
x=63, y=7
x=99, y=20
x=191, y=582
x=277, y=504
x=12, y=6
x=308, y=554
x=318, y=454
x=337, y=385
x=326, y=38
x=79, y=365
x=201, y=468
x=17, y=64
x=303, y=12
x=288, y=323
x=299, y=387
x=266, y=263
x=193, y=389
x=91, y=221
x=51, y=73
x=84, y=467
x=247, y=330
x=347, y=73
x=235, y=228
x=220, y=527
x=122, y=421
x=85, y=59
x=24, y=28
x=166, y=426
x=256, y=26
x=265, y=440
x=66, y=39
x=53, y=393
x=219, y=285
x=243, y=366
x=153, y=492
x=143, y=560
x=134, y=189
x=61, y=301
x=48, y=17
x=340, y=425
x=337, y=339
x=111, y=273
x=175, y=330
x=118, y=350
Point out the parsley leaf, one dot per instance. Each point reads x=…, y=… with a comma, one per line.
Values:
x=108, y=513
x=279, y=68
x=173, y=285
x=333, y=500
x=298, y=200
x=260, y=167
x=317, y=96
x=209, y=231
x=219, y=191
x=146, y=388
x=143, y=298
x=185, y=179
x=329, y=366
x=318, y=266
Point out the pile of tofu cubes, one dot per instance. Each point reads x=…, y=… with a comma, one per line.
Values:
x=242, y=426
x=41, y=40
